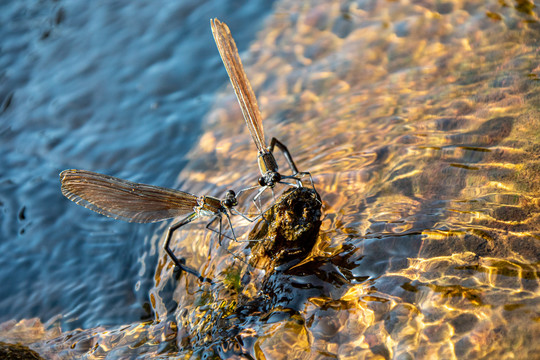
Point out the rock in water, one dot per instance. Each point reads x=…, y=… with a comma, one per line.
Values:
x=288, y=230
x=17, y=352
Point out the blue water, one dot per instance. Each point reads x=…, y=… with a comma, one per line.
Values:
x=119, y=87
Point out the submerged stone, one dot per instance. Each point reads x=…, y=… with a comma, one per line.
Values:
x=17, y=352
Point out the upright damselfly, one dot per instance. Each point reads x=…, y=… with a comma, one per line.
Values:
x=250, y=109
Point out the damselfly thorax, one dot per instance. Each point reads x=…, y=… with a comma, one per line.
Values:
x=269, y=169
x=208, y=206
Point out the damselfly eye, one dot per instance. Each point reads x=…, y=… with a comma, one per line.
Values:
x=228, y=203
x=275, y=177
x=230, y=194
x=262, y=182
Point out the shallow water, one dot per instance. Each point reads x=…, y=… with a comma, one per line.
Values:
x=419, y=122
x=115, y=87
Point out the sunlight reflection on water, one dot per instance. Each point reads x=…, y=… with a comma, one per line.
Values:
x=420, y=126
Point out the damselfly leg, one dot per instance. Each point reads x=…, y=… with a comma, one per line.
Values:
x=296, y=174
x=180, y=263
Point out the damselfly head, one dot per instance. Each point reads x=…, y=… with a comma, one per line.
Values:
x=269, y=179
x=230, y=199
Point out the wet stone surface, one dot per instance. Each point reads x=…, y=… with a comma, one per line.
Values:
x=286, y=236
x=17, y=352
x=288, y=230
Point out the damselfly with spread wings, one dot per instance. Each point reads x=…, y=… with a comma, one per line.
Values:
x=134, y=202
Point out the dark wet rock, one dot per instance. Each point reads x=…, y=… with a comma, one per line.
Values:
x=17, y=352
x=288, y=229
x=288, y=232
x=261, y=290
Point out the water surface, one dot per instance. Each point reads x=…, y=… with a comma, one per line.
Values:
x=419, y=122
x=115, y=87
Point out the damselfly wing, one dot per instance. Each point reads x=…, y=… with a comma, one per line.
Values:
x=125, y=200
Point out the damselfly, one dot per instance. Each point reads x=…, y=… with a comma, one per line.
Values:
x=250, y=110
x=134, y=202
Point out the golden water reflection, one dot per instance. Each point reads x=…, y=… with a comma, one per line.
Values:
x=419, y=121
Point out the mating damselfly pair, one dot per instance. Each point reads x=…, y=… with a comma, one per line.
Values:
x=135, y=202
